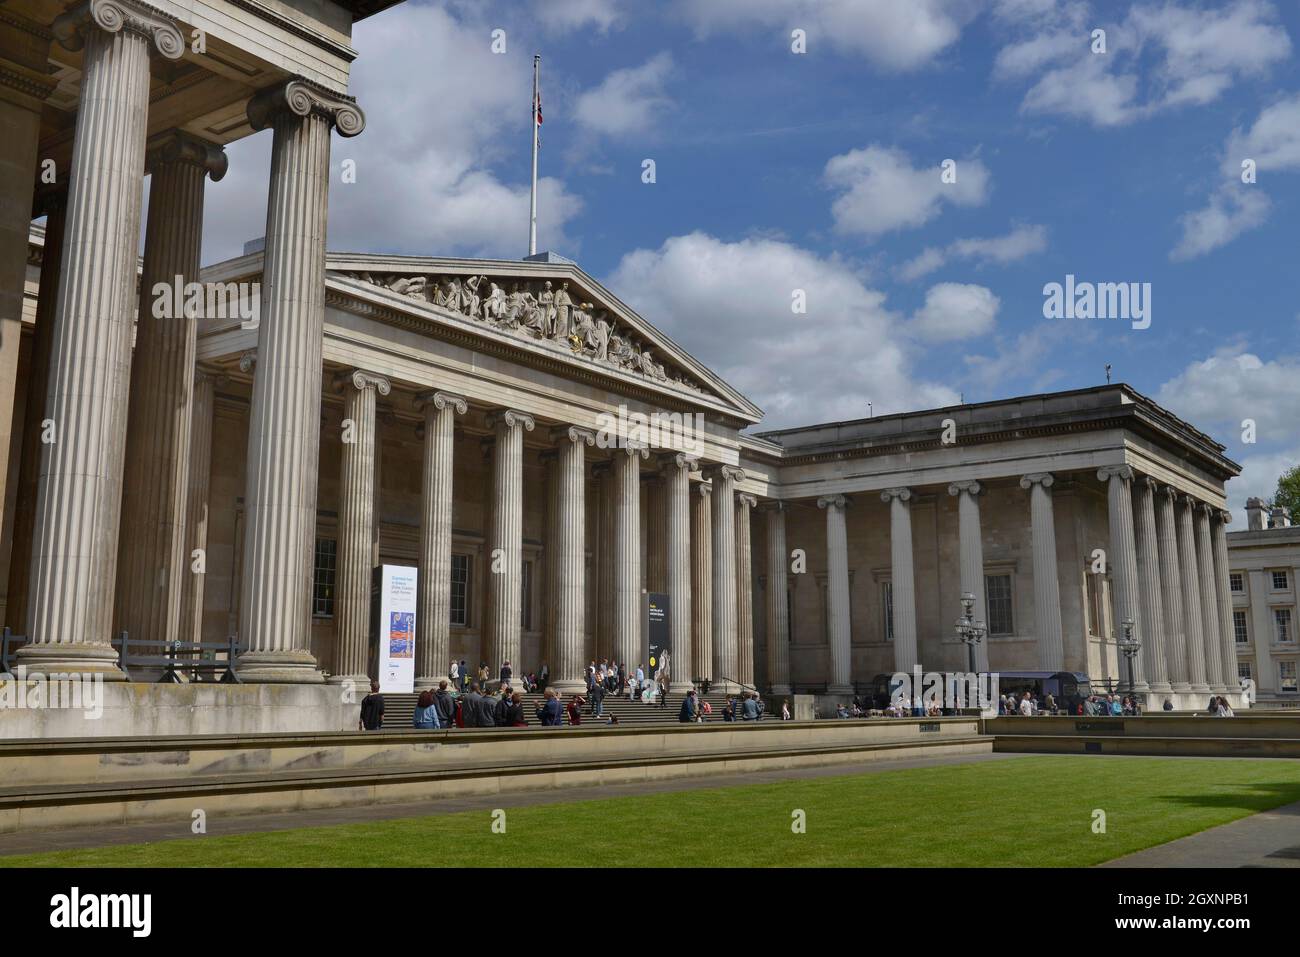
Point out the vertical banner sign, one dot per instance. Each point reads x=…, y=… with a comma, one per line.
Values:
x=395, y=624
x=660, y=635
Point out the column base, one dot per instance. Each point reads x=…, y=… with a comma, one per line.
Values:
x=569, y=687
x=1160, y=687
x=680, y=687
x=724, y=687
x=1224, y=690
x=1201, y=689
x=279, y=667
x=1180, y=687
x=71, y=658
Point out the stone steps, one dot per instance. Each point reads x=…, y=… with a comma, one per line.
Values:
x=399, y=709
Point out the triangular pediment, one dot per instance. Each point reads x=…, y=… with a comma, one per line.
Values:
x=550, y=309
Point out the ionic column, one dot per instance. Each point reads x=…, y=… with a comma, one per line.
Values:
x=903, y=577
x=17, y=608
x=778, y=613
x=656, y=550
x=196, y=504
x=151, y=551
x=1191, y=592
x=702, y=582
x=1223, y=593
x=627, y=555
x=505, y=596
x=838, y=612
x=744, y=592
x=971, y=548
x=284, y=418
x=1171, y=591
x=1155, y=663
x=677, y=481
x=726, y=649
x=571, y=554
x=604, y=474
x=1047, y=592
x=1214, y=674
x=433, y=612
x=1123, y=558
x=74, y=564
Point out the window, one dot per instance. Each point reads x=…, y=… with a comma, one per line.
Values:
x=1282, y=623
x=460, y=590
x=1286, y=676
x=887, y=602
x=1235, y=583
x=322, y=588
x=1239, y=627
x=526, y=606
x=997, y=598
x=1243, y=670
x=1279, y=581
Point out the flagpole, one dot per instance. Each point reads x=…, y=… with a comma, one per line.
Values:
x=532, y=211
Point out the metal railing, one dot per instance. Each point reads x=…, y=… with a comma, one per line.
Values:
x=192, y=659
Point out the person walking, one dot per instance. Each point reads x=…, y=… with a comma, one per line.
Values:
x=464, y=676
x=785, y=710
x=597, y=697
x=689, y=709
x=515, y=713
x=471, y=706
x=426, y=711
x=549, y=712
x=749, y=709
x=446, y=705
x=575, y=709
x=663, y=694
x=372, y=710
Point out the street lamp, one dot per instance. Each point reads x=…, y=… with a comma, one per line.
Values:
x=968, y=629
x=1130, y=647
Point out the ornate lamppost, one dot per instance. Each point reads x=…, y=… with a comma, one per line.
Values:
x=968, y=629
x=1130, y=646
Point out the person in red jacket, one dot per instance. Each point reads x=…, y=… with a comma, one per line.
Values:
x=575, y=708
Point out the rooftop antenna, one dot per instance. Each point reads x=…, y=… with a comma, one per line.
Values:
x=869, y=413
x=537, y=124
x=1108, y=373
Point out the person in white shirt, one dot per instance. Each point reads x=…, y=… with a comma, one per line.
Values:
x=1026, y=706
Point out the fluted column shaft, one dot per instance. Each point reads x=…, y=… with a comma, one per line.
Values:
x=1123, y=559
x=1214, y=673
x=971, y=558
x=571, y=554
x=151, y=552
x=839, y=616
x=677, y=482
x=1171, y=591
x=1191, y=591
x=744, y=592
x=1154, y=642
x=284, y=417
x=433, y=609
x=604, y=472
x=656, y=551
x=726, y=648
x=79, y=502
x=778, y=612
x=702, y=582
x=505, y=581
x=202, y=406
x=627, y=557
x=1047, y=591
x=1223, y=595
x=17, y=609
x=903, y=577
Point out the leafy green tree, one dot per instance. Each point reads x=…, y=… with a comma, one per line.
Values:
x=1288, y=493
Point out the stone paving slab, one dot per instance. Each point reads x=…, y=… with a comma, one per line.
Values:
x=1266, y=839
x=72, y=838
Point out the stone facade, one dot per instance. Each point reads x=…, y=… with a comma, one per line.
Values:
x=1263, y=562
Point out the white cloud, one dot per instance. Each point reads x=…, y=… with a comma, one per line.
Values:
x=425, y=183
x=954, y=311
x=627, y=101
x=1233, y=385
x=1018, y=357
x=1229, y=212
x=894, y=36
x=882, y=191
x=1021, y=242
x=1273, y=140
x=566, y=16
x=729, y=303
x=1258, y=479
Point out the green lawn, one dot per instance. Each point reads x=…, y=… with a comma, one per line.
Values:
x=1025, y=811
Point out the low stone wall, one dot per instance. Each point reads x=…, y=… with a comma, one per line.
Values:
x=1150, y=726
x=126, y=708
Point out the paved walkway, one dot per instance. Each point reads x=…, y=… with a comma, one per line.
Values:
x=1267, y=839
x=73, y=838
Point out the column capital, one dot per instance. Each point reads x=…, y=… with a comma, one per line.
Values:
x=1190, y=501
x=1207, y=509
x=572, y=433
x=703, y=489
x=773, y=505
x=1045, y=479
x=745, y=499
x=902, y=494
x=512, y=419
x=248, y=361
x=836, y=501
x=302, y=98
x=1222, y=516
x=973, y=487
x=678, y=460
x=361, y=380
x=631, y=449
x=113, y=16
x=732, y=472
x=1107, y=472
x=1170, y=491
x=439, y=400
x=209, y=374
x=177, y=146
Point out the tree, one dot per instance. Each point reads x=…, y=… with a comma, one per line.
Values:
x=1288, y=493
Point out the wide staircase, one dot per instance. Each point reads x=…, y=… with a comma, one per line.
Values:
x=399, y=710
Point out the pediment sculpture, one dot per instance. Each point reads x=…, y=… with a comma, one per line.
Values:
x=537, y=310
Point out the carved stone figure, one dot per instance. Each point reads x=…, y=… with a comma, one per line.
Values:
x=620, y=351
x=546, y=303
x=563, y=304
x=470, y=297
x=494, y=305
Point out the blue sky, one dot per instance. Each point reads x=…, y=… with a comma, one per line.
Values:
x=820, y=171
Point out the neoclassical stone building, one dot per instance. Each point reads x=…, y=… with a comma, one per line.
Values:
x=542, y=454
